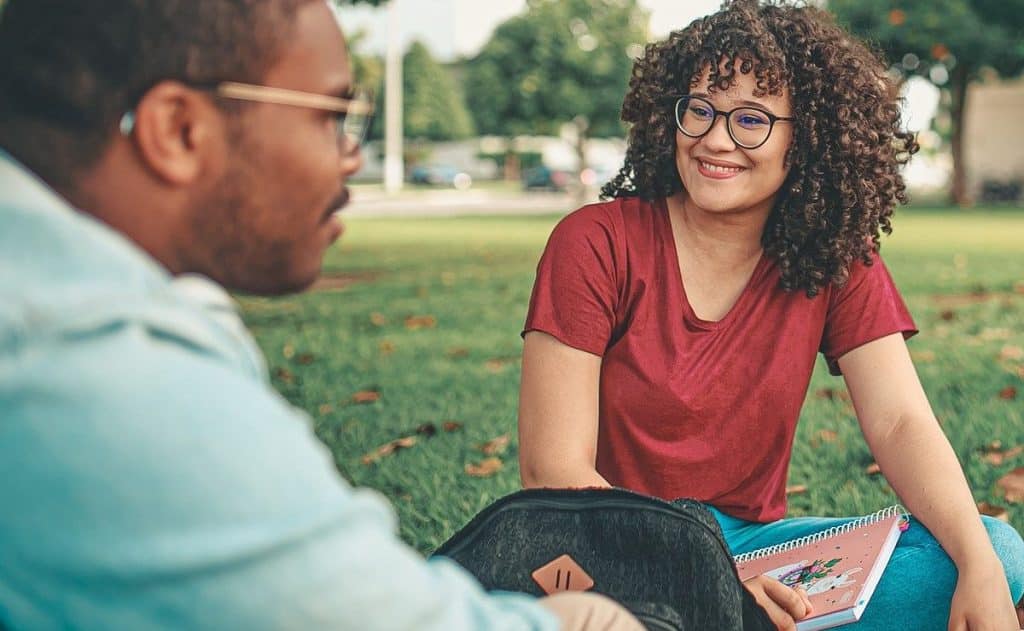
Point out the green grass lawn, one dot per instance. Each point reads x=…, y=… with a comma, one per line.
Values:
x=427, y=313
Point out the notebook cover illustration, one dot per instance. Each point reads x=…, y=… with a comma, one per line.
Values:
x=839, y=567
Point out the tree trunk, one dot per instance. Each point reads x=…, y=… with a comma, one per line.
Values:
x=960, y=78
x=512, y=172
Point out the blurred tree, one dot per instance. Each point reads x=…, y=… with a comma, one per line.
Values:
x=433, y=103
x=368, y=70
x=562, y=61
x=947, y=42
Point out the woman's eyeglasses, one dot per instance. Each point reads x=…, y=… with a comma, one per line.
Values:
x=749, y=127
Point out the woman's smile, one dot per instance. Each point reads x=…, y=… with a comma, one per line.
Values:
x=717, y=169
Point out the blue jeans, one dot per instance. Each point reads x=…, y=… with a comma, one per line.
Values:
x=917, y=586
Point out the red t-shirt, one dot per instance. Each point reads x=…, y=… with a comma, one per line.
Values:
x=691, y=408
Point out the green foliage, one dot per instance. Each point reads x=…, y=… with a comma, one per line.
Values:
x=433, y=105
x=473, y=276
x=947, y=42
x=368, y=70
x=969, y=33
x=558, y=60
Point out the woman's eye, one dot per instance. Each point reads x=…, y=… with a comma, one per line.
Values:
x=751, y=120
x=702, y=112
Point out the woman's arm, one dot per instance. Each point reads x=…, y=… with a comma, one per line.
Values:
x=904, y=436
x=558, y=414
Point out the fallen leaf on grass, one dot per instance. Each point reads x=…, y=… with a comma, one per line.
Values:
x=366, y=396
x=994, y=511
x=873, y=469
x=485, y=468
x=451, y=426
x=948, y=315
x=420, y=322
x=305, y=359
x=499, y=364
x=288, y=351
x=389, y=448
x=923, y=356
x=1009, y=393
x=989, y=335
x=796, y=489
x=284, y=375
x=832, y=394
x=326, y=409
x=457, y=353
x=1011, y=353
x=378, y=319
x=427, y=429
x=995, y=455
x=1012, y=485
x=386, y=348
x=828, y=436
x=495, y=445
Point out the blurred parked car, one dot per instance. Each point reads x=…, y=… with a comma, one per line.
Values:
x=543, y=177
x=440, y=175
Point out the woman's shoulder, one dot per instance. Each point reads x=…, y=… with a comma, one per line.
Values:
x=621, y=216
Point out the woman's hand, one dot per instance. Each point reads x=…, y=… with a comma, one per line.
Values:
x=982, y=601
x=784, y=605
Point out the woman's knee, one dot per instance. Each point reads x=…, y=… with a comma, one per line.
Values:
x=1010, y=548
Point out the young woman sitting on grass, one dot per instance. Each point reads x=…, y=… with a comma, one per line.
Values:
x=673, y=329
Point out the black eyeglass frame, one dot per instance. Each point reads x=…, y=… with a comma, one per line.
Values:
x=772, y=119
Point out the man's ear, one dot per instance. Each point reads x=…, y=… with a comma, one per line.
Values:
x=175, y=127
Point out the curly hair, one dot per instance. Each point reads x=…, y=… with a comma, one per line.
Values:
x=848, y=146
x=71, y=68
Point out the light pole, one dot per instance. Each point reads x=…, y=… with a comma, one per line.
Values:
x=394, y=170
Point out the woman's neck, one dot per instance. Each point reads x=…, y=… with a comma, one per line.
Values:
x=723, y=237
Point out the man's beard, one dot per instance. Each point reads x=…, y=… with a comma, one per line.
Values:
x=229, y=236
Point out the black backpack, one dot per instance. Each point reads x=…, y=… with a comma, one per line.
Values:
x=666, y=562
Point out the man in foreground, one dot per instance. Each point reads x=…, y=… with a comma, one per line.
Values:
x=154, y=152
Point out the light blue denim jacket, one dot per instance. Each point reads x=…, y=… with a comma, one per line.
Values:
x=151, y=478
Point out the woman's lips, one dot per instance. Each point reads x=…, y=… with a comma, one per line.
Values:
x=717, y=171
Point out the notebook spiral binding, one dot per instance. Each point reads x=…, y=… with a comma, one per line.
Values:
x=885, y=513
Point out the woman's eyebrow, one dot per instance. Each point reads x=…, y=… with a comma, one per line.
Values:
x=741, y=103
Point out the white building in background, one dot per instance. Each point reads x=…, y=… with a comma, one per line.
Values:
x=994, y=133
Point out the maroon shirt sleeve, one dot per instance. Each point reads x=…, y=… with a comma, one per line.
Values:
x=576, y=291
x=866, y=308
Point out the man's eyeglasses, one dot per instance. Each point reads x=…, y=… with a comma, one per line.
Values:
x=353, y=113
x=749, y=127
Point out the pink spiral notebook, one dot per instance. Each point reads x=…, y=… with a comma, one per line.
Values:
x=839, y=567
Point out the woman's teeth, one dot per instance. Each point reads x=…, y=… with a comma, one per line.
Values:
x=714, y=168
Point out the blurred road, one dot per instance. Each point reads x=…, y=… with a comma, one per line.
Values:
x=372, y=202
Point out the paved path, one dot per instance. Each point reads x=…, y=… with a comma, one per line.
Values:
x=448, y=203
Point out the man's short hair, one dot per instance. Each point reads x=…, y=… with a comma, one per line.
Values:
x=69, y=69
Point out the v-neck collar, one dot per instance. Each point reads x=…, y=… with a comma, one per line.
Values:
x=676, y=276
